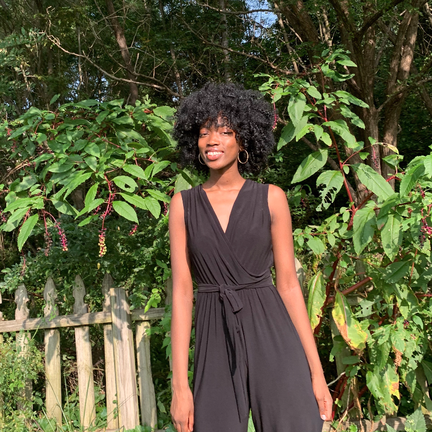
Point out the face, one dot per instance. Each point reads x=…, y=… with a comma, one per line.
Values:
x=218, y=146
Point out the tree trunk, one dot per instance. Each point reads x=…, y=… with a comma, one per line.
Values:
x=226, y=58
x=124, y=50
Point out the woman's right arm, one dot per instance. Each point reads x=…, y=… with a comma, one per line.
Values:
x=182, y=409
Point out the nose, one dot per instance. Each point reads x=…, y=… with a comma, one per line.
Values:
x=214, y=137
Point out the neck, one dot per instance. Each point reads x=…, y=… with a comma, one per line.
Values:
x=225, y=179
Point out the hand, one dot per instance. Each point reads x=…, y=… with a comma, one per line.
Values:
x=182, y=410
x=323, y=397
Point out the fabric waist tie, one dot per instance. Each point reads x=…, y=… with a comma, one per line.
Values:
x=231, y=305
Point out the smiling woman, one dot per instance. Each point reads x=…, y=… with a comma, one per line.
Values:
x=227, y=109
x=254, y=345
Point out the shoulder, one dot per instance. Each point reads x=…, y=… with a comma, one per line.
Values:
x=275, y=194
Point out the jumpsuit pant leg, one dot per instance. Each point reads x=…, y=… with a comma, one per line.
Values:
x=215, y=406
x=280, y=387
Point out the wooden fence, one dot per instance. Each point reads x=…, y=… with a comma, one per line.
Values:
x=127, y=360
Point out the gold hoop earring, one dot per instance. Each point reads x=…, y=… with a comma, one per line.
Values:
x=247, y=157
x=200, y=159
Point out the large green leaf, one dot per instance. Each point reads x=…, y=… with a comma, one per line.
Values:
x=125, y=210
x=153, y=206
x=159, y=166
x=287, y=135
x=316, y=299
x=135, y=200
x=296, y=107
x=396, y=271
x=310, y=165
x=373, y=181
x=332, y=181
x=364, y=228
x=135, y=170
x=391, y=235
x=416, y=421
x=26, y=230
x=341, y=128
x=91, y=194
x=79, y=179
x=158, y=195
x=410, y=179
x=383, y=384
x=316, y=245
x=18, y=203
x=125, y=183
x=181, y=184
x=347, y=325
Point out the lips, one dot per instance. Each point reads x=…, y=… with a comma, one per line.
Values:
x=213, y=155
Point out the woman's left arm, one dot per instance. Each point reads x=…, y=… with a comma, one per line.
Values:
x=289, y=289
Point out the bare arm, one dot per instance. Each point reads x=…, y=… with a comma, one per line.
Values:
x=289, y=288
x=181, y=323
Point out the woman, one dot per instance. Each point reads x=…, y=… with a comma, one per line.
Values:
x=254, y=345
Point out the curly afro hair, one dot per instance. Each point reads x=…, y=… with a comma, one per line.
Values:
x=244, y=111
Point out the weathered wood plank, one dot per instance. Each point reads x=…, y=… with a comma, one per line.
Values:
x=52, y=357
x=145, y=380
x=110, y=380
x=22, y=338
x=124, y=359
x=84, y=360
x=75, y=320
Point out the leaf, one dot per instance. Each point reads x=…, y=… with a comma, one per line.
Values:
x=91, y=194
x=333, y=181
x=316, y=299
x=181, y=184
x=26, y=183
x=26, y=230
x=310, y=165
x=427, y=367
x=364, y=228
x=410, y=179
x=428, y=165
x=296, y=107
x=64, y=207
x=135, y=170
x=312, y=91
x=373, y=181
x=153, y=206
x=91, y=162
x=76, y=181
x=91, y=206
x=54, y=99
x=60, y=167
x=135, y=200
x=159, y=166
x=341, y=128
x=87, y=220
x=287, y=135
x=42, y=158
x=125, y=183
x=158, y=195
x=125, y=210
x=397, y=271
x=347, y=325
x=92, y=149
x=391, y=235
x=383, y=384
x=18, y=215
x=164, y=111
x=316, y=245
x=416, y=422
x=18, y=203
x=101, y=117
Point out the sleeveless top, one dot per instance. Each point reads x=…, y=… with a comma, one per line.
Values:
x=242, y=255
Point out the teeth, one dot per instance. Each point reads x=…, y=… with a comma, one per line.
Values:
x=214, y=153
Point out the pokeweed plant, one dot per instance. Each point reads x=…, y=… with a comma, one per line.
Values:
x=374, y=253
x=114, y=155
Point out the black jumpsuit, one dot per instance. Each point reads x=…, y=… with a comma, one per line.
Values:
x=248, y=354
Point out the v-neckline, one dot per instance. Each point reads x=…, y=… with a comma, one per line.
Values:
x=232, y=208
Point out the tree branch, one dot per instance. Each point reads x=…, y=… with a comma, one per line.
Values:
x=160, y=86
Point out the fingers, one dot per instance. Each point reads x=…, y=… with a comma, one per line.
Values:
x=191, y=421
x=325, y=408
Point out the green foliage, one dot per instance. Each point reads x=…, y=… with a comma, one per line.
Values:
x=18, y=367
x=373, y=255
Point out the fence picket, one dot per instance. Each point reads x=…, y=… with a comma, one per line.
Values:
x=145, y=380
x=110, y=381
x=52, y=356
x=84, y=360
x=124, y=359
x=22, y=338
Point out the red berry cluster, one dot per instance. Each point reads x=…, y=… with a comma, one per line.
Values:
x=63, y=238
x=102, y=245
x=3, y=217
x=133, y=230
x=48, y=243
